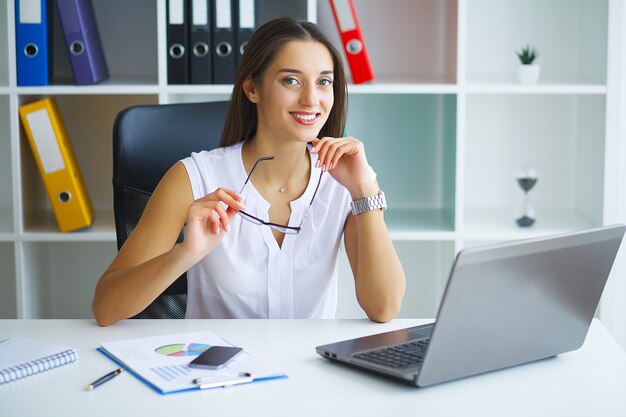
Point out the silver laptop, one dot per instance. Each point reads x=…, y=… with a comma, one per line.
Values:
x=505, y=304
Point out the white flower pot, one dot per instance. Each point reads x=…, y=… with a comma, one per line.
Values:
x=528, y=74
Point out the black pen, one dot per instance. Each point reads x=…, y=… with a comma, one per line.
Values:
x=104, y=379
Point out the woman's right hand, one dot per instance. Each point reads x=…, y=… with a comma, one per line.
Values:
x=208, y=220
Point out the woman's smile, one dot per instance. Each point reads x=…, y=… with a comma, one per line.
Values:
x=305, y=118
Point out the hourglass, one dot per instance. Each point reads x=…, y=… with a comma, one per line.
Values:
x=526, y=178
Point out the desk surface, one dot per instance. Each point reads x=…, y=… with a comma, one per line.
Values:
x=588, y=382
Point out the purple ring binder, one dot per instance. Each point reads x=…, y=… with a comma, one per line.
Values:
x=83, y=41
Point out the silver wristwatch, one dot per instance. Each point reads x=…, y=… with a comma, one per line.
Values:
x=373, y=202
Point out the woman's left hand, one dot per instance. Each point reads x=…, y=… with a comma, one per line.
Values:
x=344, y=158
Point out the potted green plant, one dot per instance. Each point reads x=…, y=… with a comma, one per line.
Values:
x=528, y=71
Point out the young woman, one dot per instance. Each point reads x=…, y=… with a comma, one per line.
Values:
x=265, y=213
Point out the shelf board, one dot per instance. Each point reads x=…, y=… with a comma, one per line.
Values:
x=389, y=85
x=124, y=86
x=406, y=85
x=419, y=224
x=403, y=224
x=196, y=89
x=7, y=237
x=44, y=228
x=546, y=85
x=499, y=224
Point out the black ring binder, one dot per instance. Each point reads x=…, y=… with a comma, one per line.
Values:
x=200, y=49
x=242, y=47
x=177, y=51
x=223, y=49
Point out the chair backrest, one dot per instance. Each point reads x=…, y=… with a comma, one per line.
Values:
x=147, y=141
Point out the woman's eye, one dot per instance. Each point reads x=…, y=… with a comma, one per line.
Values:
x=325, y=82
x=290, y=81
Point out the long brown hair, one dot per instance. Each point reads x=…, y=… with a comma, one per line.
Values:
x=264, y=45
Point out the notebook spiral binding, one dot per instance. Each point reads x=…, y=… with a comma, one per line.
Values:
x=40, y=365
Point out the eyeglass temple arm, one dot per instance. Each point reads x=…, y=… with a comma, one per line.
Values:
x=316, y=188
x=263, y=158
x=306, y=213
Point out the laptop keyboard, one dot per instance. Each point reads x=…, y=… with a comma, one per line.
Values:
x=399, y=356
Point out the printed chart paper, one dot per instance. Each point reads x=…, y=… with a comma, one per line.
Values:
x=162, y=361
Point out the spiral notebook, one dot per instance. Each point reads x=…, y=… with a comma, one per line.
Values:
x=21, y=357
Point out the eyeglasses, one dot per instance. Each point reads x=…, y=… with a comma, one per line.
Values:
x=288, y=230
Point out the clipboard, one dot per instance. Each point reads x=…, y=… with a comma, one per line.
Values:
x=161, y=362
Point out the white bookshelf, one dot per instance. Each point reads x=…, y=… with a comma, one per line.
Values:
x=446, y=125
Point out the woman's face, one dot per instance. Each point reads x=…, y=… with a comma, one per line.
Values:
x=295, y=96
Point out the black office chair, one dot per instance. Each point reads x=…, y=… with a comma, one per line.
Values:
x=147, y=141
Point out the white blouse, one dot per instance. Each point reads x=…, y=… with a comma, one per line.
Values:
x=248, y=275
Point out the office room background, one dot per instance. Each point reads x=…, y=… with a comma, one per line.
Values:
x=447, y=124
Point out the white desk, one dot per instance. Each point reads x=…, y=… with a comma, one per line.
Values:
x=588, y=382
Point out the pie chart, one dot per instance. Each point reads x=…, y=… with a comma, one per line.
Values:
x=182, y=349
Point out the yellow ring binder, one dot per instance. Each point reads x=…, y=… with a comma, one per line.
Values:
x=57, y=164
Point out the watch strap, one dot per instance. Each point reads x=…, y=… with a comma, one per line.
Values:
x=373, y=202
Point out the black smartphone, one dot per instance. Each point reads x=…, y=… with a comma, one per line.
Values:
x=215, y=357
